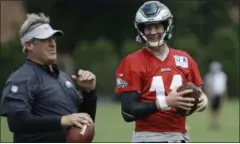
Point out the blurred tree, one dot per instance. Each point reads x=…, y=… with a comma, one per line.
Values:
x=224, y=47
x=11, y=58
x=130, y=46
x=88, y=19
x=190, y=43
x=100, y=58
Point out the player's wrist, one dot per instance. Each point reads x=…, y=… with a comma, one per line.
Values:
x=162, y=103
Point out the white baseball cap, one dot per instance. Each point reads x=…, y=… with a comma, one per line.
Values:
x=43, y=31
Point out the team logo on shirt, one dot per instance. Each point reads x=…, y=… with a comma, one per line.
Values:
x=121, y=83
x=181, y=61
x=14, y=89
x=68, y=84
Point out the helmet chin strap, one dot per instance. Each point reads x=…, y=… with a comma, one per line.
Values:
x=158, y=43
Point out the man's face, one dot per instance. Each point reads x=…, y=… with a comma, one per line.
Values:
x=153, y=32
x=43, y=49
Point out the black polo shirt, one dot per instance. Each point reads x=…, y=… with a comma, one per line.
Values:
x=47, y=95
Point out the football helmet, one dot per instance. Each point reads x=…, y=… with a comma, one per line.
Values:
x=153, y=12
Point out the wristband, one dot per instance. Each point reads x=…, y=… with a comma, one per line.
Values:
x=163, y=103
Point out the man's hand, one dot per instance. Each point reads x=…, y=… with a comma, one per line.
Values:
x=203, y=102
x=175, y=99
x=76, y=119
x=85, y=80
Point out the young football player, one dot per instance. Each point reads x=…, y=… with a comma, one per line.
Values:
x=146, y=80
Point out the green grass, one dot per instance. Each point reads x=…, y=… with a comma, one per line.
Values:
x=111, y=128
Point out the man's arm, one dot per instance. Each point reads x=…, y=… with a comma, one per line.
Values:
x=89, y=104
x=25, y=122
x=225, y=93
x=129, y=81
x=17, y=99
x=132, y=109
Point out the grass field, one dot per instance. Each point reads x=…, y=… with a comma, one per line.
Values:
x=111, y=128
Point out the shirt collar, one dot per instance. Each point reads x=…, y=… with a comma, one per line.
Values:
x=54, y=71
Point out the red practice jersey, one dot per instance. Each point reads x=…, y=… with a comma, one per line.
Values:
x=143, y=72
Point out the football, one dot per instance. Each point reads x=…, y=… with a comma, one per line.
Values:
x=195, y=94
x=78, y=135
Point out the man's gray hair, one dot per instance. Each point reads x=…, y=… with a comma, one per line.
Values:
x=33, y=20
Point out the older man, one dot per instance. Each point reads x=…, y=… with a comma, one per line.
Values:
x=39, y=100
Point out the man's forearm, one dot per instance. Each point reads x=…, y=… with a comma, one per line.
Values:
x=24, y=122
x=133, y=110
x=89, y=104
x=139, y=110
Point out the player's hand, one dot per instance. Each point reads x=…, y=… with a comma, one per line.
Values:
x=203, y=102
x=85, y=79
x=175, y=99
x=76, y=119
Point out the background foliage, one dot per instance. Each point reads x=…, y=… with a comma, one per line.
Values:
x=98, y=34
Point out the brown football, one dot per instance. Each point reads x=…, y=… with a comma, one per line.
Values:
x=195, y=94
x=78, y=135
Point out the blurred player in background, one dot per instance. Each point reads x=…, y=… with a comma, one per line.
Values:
x=146, y=80
x=216, y=89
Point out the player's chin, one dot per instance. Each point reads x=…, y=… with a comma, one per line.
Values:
x=153, y=44
x=52, y=57
x=51, y=60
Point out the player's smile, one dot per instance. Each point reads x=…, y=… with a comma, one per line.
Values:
x=153, y=37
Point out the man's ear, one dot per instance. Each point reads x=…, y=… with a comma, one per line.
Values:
x=28, y=46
